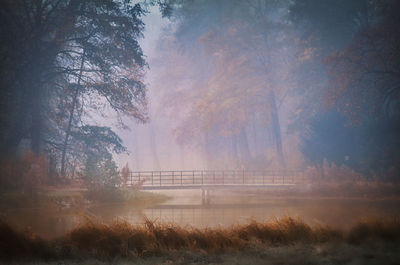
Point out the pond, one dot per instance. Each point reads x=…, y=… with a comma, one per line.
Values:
x=226, y=208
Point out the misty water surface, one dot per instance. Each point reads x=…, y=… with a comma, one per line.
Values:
x=227, y=208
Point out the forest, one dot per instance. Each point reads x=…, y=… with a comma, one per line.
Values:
x=95, y=93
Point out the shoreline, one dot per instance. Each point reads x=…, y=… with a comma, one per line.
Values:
x=122, y=241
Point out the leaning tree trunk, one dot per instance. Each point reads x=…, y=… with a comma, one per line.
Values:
x=42, y=58
x=276, y=129
x=71, y=116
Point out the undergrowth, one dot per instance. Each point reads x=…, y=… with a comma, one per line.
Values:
x=121, y=239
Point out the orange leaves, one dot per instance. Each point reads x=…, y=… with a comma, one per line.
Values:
x=37, y=170
x=28, y=172
x=125, y=173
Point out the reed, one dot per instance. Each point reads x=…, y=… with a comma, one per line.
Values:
x=121, y=239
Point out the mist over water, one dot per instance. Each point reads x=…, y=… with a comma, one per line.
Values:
x=227, y=208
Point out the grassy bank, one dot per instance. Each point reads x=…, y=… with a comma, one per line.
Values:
x=152, y=240
x=56, y=198
x=337, y=189
x=296, y=254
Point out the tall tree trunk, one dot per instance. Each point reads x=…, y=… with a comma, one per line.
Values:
x=153, y=147
x=71, y=115
x=15, y=123
x=208, y=151
x=235, y=156
x=182, y=154
x=36, y=114
x=254, y=137
x=136, y=152
x=276, y=129
x=245, y=154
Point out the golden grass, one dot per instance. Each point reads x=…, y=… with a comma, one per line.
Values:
x=373, y=229
x=122, y=239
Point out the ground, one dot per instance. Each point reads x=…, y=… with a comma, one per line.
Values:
x=332, y=253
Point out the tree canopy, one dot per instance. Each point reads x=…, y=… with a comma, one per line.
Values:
x=62, y=61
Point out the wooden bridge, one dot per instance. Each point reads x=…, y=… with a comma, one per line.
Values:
x=208, y=180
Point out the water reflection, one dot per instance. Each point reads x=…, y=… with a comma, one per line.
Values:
x=184, y=208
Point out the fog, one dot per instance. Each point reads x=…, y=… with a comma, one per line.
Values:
x=256, y=85
x=210, y=84
x=200, y=131
x=252, y=85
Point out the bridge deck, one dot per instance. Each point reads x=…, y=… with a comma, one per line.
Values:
x=214, y=179
x=216, y=186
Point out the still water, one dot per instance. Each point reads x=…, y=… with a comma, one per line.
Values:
x=226, y=208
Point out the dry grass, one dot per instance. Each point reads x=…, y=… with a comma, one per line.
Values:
x=359, y=189
x=22, y=245
x=374, y=229
x=123, y=240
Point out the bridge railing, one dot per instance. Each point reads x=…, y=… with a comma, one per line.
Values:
x=214, y=177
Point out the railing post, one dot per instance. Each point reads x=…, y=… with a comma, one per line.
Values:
x=288, y=177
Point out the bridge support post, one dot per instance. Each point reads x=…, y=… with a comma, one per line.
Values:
x=205, y=196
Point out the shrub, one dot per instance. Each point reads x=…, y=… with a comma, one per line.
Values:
x=125, y=172
x=28, y=172
x=100, y=173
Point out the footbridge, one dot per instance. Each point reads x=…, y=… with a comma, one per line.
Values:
x=208, y=180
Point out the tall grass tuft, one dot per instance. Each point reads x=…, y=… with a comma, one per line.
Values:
x=375, y=229
x=121, y=239
x=26, y=245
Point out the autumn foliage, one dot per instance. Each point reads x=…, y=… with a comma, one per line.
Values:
x=28, y=172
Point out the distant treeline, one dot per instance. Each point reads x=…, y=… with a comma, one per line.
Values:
x=253, y=84
x=64, y=64
x=267, y=84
